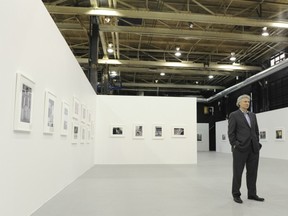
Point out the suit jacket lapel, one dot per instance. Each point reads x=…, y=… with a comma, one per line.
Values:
x=243, y=118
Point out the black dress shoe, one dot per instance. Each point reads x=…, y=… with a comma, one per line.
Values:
x=238, y=200
x=256, y=198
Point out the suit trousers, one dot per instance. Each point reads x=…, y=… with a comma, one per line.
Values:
x=251, y=160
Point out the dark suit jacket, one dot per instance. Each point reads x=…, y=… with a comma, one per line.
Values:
x=240, y=134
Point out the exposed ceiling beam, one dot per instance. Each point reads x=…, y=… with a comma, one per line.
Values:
x=188, y=34
x=212, y=65
x=159, y=85
x=173, y=71
x=183, y=16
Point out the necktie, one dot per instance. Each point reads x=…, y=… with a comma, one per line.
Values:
x=247, y=118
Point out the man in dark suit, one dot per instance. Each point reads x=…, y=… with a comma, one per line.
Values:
x=243, y=135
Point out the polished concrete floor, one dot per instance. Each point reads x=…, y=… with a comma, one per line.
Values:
x=171, y=190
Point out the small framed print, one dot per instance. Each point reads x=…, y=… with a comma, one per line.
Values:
x=23, y=108
x=263, y=135
x=158, y=131
x=117, y=131
x=279, y=134
x=75, y=132
x=199, y=137
x=178, y=131
x=223, y=137
x=83, y=113
x=76, y=108
x=138, y=131
x=64, y=118
x=49, y=112
x=83, y=134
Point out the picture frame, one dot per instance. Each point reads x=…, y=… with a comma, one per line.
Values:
x=83, y=113
x=49, y=113
x=117, y=131
x=65, y=113
x=279, y=134
x=223, y=137
x=23, y=107
x=75, y=132
x=263, y=135
x=83, y=134
x=138, y=131
x=158, y=132
x=76, y=108
x=199, y=137
x=178, y=131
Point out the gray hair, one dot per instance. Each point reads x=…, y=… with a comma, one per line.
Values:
x=240, y=98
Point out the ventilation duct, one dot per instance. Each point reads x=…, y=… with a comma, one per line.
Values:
x=248, y=81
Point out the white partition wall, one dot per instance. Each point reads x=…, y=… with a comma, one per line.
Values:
x=222, y=141
x=126, y=112
x=273, y=127
x=202, y=137
x=35, y=165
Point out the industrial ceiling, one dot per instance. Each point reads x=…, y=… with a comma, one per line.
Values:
x=144, y=36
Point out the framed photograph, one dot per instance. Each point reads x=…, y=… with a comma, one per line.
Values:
x=178, y=131
x=263, y=135
x=158, y=131
x=223, y=137
x=138, y=131
x=75, y=132
x=23, y=108
x=76, y=108
x=89, y=118
x=117, y=131
x=83, y=134
x=49, y=112
x=83, y=113
x=279, y=134
x=64, y=118
x=199, y=137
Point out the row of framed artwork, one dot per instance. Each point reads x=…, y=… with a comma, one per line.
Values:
x=279, y=135
x=23, y=113
x=138, y=131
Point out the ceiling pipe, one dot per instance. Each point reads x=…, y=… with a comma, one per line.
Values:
x=248, y=81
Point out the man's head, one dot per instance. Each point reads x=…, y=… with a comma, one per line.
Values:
x=243, y=102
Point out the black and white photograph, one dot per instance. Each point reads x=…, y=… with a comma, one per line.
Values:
x=76, y=108
x=199, y=137
x=279, y=134
x=117, y=131
x=23, y=103
x=49, y=112
x=75, y=132
x=83, y=134
x=178, y=131
x=64, y=118
x=223, y=137
x=83, y=113
x=158, y=132
x=138, y=131
x=263, y=135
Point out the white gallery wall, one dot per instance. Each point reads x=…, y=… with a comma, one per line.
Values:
x=203, y=137
x=126, y=111
x=268, y=122
x=35, y=166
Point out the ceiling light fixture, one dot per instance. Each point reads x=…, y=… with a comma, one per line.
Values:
x=265, y=33
x=233, y=57
x=162, y=74
x=113, y=73
x=107, y=20
x=110, y=48
x=210, y=76
x=191, y=25
x=177, y=53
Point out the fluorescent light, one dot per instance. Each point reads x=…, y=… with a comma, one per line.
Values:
x=210, y=76
x=162, y=74
x=265, y=33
